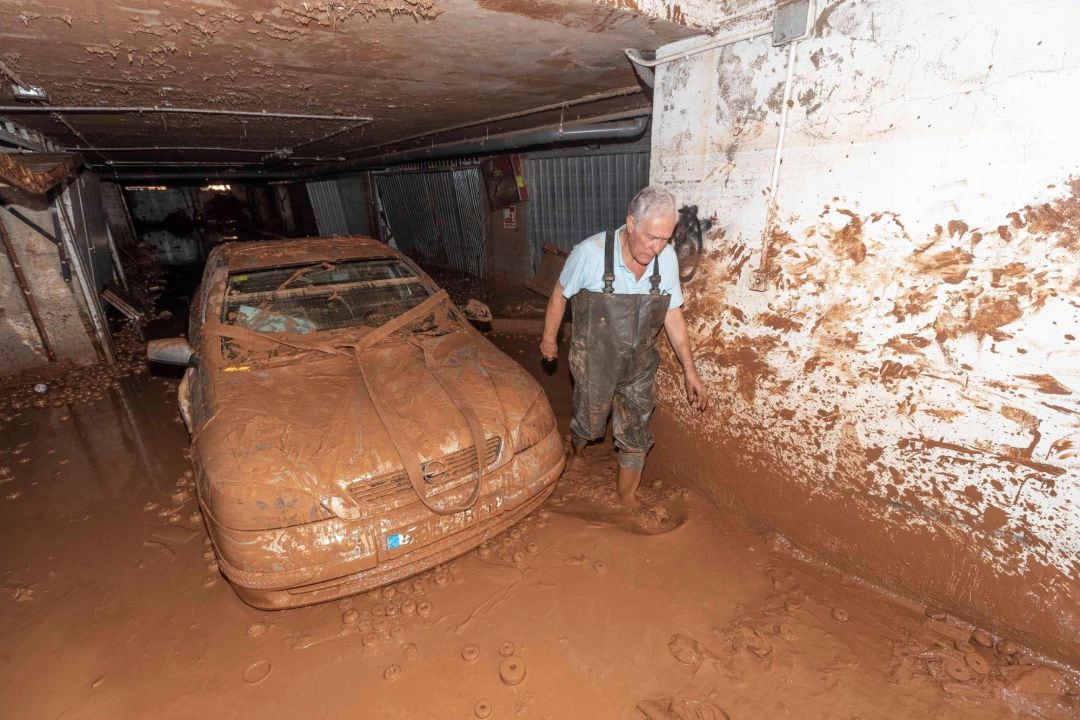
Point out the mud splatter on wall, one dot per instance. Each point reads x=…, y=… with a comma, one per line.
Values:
x=903, y=397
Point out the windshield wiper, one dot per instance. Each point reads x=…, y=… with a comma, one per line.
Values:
x=304, y=273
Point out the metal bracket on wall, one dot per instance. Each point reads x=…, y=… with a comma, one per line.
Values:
x=758, y=281
x=65, y=267
x=30, y=224
x=65, y=264
x=790, y=22
x=27, y=293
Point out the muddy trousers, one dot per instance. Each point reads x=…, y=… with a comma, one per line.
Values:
x=613, y=359
x=626, y=392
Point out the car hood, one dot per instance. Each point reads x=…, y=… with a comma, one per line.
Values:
x=310, y=424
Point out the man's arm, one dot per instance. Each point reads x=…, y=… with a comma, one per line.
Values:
x=549, y=344
x=675, y=324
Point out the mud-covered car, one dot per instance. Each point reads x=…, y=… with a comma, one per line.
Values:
x=349, y=426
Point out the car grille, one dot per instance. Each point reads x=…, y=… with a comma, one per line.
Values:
x=460, y=467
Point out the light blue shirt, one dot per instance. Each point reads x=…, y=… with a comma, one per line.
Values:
x=584, y=270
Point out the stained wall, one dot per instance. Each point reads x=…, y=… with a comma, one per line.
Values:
x=902, y=397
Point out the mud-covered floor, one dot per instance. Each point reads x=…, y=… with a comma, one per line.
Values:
x=112, y=607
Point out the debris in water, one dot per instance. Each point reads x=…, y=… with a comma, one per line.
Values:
x=257, y=672
x=982, y=637
x=512, y=670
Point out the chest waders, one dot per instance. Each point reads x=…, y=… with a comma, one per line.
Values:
x=613, y=359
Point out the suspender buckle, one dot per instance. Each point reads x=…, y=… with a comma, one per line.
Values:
x=609, y=282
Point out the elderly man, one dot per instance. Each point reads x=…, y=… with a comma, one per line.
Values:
x=619, y=306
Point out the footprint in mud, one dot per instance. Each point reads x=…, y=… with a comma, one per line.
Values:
x=646, y=520
x=681, y=709
x=687, y=650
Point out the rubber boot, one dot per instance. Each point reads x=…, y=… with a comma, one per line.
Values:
x=627, y=482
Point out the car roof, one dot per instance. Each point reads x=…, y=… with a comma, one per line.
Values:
x=270, y=253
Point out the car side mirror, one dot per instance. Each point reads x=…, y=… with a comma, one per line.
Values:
x=171, y=351
x=477, y=311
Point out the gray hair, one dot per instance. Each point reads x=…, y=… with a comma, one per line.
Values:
x=649, y=201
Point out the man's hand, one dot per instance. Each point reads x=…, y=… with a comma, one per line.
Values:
x=675, y=324
x=696, y=394
x=549, y=346
x=549, y=349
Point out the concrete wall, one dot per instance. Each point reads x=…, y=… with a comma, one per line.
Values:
x=61, y=311
x=902, y=398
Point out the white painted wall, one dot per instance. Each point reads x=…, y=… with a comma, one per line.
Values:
x=916, y=348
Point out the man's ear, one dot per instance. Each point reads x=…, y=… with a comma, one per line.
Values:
x=629, y=223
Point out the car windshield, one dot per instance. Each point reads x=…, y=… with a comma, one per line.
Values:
x=310, y=298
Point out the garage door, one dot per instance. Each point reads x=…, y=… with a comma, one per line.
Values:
x=437, y=217
x=571, y=198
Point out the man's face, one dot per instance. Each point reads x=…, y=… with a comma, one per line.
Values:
x=646, y=239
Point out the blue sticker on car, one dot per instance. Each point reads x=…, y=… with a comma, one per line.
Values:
x=397, y=540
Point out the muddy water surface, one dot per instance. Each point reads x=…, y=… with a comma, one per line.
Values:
x=112, y=607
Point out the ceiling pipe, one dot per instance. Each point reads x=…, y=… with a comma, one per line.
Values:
x=202, y=163
x=340, y=131
x=638, y=63
x=126, y=110
x=196, y=177
x=589, y=132
x=151, y=148
x=584, y=132
x=565, y=104
x=641, y=63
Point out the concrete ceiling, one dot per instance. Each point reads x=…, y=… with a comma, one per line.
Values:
x=412, y=66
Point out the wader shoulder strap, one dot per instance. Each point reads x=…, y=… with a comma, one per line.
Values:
x=609, y=262
x=655, y=279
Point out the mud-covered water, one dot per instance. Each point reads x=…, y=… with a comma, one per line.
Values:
x=112, y=607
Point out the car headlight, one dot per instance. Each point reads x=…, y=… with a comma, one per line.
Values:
x=260, y=507
x=534, y=427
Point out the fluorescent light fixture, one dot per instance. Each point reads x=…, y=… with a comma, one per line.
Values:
x=219, y=187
